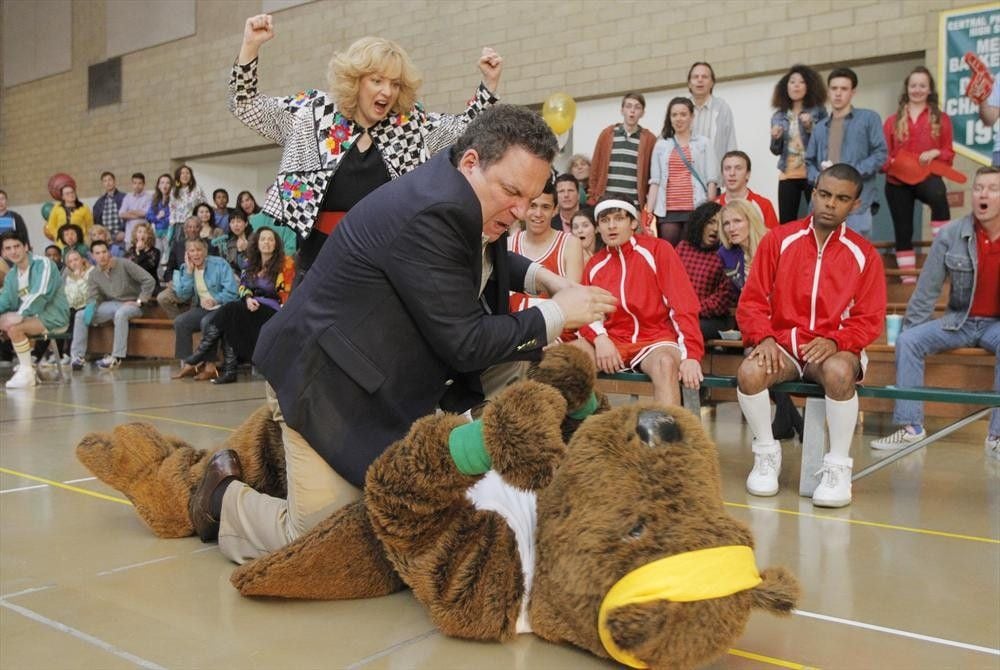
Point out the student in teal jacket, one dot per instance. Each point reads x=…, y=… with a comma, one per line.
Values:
x=32, y=302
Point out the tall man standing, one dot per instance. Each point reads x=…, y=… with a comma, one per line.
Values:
x=135, y=205
x=107, y=207
x=620, y=165
x=404, y=307
x=849, y=135
x=812, y=324
x=567, y=203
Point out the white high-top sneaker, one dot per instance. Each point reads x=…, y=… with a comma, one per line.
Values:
x=763, y=479
x=834, y=489
x=24, y=378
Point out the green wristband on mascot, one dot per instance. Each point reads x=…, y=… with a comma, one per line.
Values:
x=586, y=409
x=467, y=449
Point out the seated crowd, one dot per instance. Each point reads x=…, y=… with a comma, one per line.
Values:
x=666, y=223
x=138, y=249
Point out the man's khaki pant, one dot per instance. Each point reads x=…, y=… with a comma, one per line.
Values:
x=254, y=524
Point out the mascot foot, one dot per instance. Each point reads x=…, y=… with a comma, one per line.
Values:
x=156, y=472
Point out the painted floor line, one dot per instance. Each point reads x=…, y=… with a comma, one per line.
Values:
x=105, y=573
x=42, y=486
x=770, y=660
x=68, y=487
x=872, y=524
x=25, y=488
x=900, y=633
x=391, y=649
x=80, y=635
x=139, y=414
x=25, y=592
x=204, y=549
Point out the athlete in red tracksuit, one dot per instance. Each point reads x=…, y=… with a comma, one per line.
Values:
x=815, y=298
x=655, y=327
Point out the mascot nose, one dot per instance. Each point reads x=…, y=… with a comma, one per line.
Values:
x=656, y=425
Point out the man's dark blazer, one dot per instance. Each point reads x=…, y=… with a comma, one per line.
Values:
x=389, y=313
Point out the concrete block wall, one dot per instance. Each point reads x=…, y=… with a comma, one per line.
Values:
x=174, y=95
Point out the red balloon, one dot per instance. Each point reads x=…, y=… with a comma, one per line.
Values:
x=56, y=183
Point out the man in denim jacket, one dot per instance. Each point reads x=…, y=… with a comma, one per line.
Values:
x=967, y=252
x=862, y=144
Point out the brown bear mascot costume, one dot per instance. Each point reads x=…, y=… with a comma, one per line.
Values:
x=616, y=542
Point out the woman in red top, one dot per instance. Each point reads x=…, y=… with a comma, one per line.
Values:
x=920, y=128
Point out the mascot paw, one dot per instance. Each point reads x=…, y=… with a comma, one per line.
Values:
x=570, y=371
x=521, y=431
x=152, y=470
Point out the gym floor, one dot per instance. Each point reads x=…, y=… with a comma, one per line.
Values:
x=908, y=576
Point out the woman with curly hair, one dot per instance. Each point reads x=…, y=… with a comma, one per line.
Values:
x=798, y=100
x=920, y=129
x=71, y=238
x=698, y=252
x=185, y=195
x=142, y=249
x=369, y=129
x=264, y=288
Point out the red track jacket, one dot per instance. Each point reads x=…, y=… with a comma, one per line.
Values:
x=797, y=292
x=656, y=300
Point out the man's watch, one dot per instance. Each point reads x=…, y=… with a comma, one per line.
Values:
x=138, y=301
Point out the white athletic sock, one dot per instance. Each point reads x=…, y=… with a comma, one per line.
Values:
x=842, y=419
x=23, y=351
x=757, y=411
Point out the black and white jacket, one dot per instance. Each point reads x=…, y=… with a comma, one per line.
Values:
x=315, y=135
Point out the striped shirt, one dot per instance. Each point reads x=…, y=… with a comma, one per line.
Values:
x=680, y=188
x=622, y=164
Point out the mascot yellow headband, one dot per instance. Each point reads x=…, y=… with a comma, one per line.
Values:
x=693, y=575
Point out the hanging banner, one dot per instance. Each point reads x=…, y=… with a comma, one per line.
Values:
x=973, y=30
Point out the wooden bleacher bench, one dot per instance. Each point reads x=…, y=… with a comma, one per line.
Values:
x=150, y=335
x=814, y=434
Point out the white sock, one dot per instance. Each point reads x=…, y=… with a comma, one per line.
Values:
x=841, y=419
x=23, y=351
x=757, y=411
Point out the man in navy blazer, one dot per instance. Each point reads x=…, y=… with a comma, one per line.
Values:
x=405, y=305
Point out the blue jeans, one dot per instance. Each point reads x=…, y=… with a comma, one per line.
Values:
x=861, y=222
x=120, y=312
x=186, y=325
x=915, y=344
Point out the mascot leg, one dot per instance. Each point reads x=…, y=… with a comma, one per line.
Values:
x=159, y=472
x=339, y=559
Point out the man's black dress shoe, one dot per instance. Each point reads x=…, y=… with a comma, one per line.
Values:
x=205, y=507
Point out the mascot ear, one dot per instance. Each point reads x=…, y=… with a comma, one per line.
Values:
x=570, y=371
x=778, y=593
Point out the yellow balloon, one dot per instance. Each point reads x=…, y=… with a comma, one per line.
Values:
x=559, y=111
